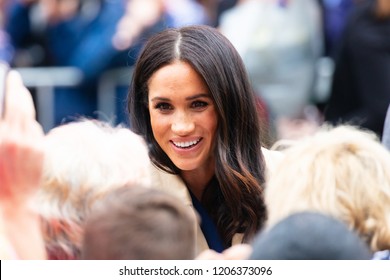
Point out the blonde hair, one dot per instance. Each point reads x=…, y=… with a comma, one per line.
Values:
x=84, y=161
x=343, y=172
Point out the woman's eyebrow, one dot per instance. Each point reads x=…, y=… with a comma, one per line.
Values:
x=206, y=95
x=158, y=98
x=200, y=95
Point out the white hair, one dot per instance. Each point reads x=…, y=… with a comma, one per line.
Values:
x=85, y=160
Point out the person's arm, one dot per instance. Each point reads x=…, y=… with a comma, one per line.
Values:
x=21, y=162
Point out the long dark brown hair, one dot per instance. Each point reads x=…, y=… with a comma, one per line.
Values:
x=235, y=199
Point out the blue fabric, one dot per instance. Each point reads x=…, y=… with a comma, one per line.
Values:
x=6, y=49
x=335, y=14
x=381, y=255
x=208, y=227
x=86, y=42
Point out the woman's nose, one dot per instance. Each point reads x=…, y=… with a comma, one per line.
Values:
x=183, y=124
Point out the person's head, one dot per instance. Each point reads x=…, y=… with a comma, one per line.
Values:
x=192, y=101
x=342, y=172
x=137, y=223
x=382, y=9
x=83, y=162
x=309, y=236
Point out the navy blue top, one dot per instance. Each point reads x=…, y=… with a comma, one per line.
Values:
x=208, y=227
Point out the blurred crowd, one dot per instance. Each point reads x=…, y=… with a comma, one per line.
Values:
x=93, y=36
x=96, y=36
x=303, y=64
x=319, y=69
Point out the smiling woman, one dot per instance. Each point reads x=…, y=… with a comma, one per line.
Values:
x=191, y=100
x=184, y=122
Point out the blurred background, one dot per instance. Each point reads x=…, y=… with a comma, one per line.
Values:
x=76, y=56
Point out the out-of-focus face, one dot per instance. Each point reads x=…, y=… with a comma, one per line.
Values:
x=57, y=11
x=183, y=116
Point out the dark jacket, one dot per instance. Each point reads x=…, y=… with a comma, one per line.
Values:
x=360, y=91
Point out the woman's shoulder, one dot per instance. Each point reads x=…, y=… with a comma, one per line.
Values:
x=170, y=183
x=272, y=158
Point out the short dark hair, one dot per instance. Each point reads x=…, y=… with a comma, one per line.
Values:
x=138, y=223
x=309, y=236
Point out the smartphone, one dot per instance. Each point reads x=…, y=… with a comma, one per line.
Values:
x=4, y=68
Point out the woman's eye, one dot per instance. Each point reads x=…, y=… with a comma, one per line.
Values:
x=199, y=104
x=163, y=106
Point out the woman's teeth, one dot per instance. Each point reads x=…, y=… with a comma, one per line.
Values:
x=186, y=144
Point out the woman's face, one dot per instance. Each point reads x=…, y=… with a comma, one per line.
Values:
x=183, y=116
